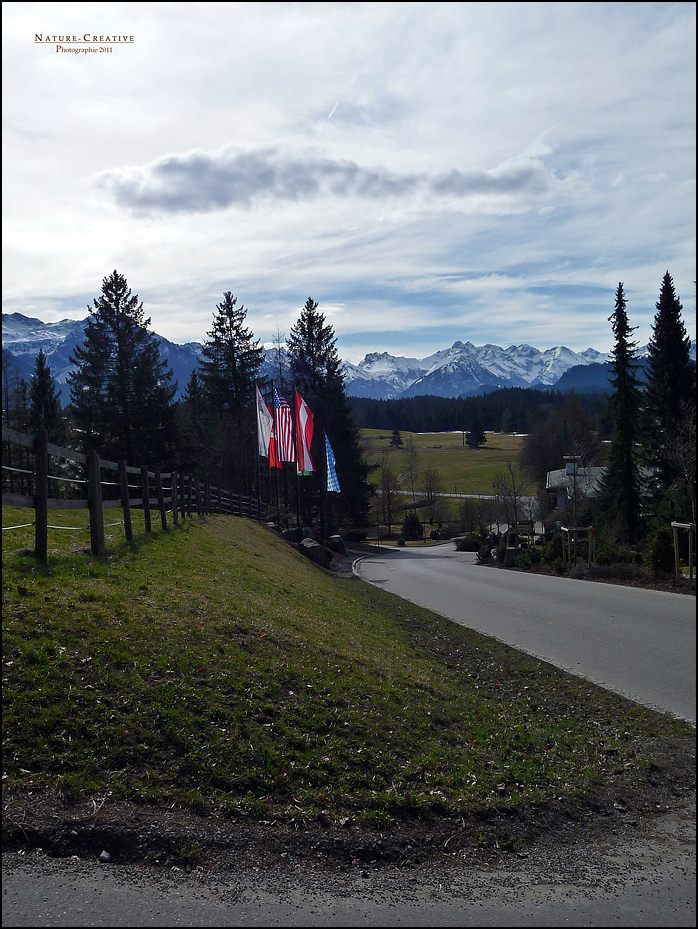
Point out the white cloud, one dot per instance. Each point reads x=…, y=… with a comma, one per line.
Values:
x=451, y=171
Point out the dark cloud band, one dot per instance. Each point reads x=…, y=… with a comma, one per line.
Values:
x=203, y=182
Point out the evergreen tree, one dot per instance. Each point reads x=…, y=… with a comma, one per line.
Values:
x=229, y=368
x=315, y=367
x=191, y=427
x=476, y=434
x=44, y=405
x=671, y=383
x=121, y=391
x=620, y=490
x=231, y=359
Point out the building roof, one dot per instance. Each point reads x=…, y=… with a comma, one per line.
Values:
x=588, y=480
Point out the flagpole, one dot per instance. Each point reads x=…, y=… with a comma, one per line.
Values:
x=298, y=479
x=259, y=470
x=276, y=454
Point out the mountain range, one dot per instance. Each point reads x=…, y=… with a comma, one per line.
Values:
x=462, y=370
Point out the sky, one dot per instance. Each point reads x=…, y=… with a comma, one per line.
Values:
x=425, y=172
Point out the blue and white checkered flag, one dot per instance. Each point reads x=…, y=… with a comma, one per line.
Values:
x=332, y=482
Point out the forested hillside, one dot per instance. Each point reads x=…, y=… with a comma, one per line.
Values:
x=512, y=409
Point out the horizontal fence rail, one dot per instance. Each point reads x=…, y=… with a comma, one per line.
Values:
x=126, y=487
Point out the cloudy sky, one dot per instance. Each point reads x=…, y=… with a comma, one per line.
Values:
x=427, y=172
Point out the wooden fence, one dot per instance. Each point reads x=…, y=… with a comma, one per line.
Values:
x=180, y=495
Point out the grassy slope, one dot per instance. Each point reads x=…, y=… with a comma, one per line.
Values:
x=214, y=667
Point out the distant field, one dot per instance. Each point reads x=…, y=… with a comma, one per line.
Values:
x=462, y=470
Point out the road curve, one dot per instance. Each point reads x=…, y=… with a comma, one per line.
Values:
x=640, y=643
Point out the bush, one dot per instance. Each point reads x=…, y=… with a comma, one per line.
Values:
x=468, y=543
x=553, y=550
x=528, y=558
x=483, y=555
x=610, y=553
x=412, y=529
x=355, y=535
x=660, y=551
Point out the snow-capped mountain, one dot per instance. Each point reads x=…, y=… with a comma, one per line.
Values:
x=23, y=337
x=462, y=370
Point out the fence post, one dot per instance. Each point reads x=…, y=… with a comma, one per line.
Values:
x=161, y=499
x=189, y=490
x=94, y=494
x=41, y=495
x=175, y=501
x=145, y=486
x=125, y=500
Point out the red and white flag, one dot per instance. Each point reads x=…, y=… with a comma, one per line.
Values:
x=304, y=435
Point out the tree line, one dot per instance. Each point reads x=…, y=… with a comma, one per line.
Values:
x=649, y=458
x=122, y=404
x=509, y=409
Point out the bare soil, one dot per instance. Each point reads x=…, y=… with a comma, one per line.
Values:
x=624, y=807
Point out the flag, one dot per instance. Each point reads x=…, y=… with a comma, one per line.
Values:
x=304, y=435
x=265, y=424
x=284, y=448
x=332, y=482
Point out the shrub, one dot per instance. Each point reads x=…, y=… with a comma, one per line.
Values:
x=553, y=550
x=412, y=529
x=528, y=558
x=468, y=543
x=483, y=555
x=610, y=553
x=660, y=551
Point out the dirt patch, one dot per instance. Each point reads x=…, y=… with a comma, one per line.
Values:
x=131, y=833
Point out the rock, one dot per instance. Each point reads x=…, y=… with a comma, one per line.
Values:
x=291, y=535
x=313, y=550
x=105, y=856
x=308, y=533
x=336, y=543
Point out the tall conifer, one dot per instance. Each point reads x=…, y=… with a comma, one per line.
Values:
x=620, y=492
x=44, y=404
x=671, y=384
x=230, y=363
x=121, y=391
x=316, y=370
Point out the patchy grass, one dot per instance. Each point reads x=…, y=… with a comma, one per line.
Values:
x=214, y=668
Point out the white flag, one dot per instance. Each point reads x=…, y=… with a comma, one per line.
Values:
x=265, y=423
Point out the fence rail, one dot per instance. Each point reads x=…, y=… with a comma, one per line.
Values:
x=171, y=492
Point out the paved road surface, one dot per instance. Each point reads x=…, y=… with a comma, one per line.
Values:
x=641, y=643
x=651, y=882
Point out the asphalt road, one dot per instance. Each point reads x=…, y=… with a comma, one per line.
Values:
x=649, y=882
x=640, y=643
